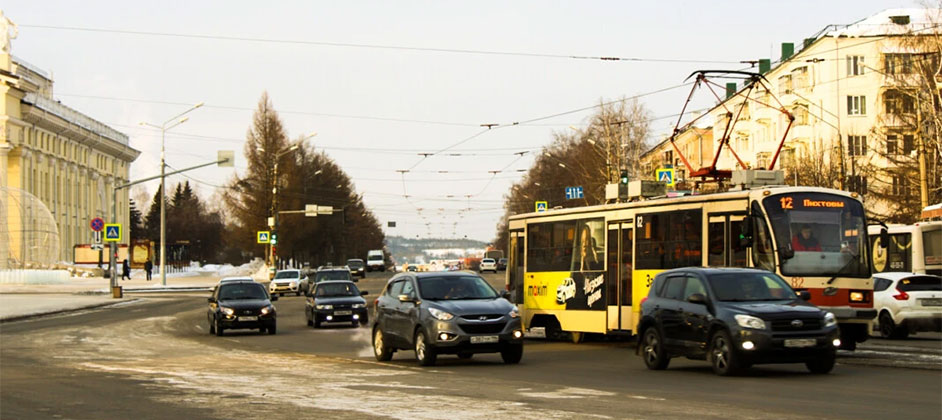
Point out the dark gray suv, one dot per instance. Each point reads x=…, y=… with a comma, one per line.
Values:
x=445, y=312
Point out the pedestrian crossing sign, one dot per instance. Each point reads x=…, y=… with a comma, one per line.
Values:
x=263, y=236
x=541, y=206
x=666, y=176
x=112, y=232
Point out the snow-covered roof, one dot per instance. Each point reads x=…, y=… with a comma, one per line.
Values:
x=894, y=22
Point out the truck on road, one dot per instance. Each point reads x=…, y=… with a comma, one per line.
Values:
x=375, y=260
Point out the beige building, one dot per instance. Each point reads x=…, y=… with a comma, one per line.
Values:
x=696, y=145
x=843, y=87
x=66, y=159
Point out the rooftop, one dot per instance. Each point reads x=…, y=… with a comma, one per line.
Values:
x=893, y=22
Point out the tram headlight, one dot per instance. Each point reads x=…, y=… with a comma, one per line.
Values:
x=829, y=320
x=858, y=296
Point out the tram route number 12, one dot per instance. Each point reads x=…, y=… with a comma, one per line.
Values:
x=787, y=203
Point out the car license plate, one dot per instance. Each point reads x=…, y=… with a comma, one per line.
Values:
x=800, y=342
x=248, y=318
x=483, y=339
x=343, y=312
x=931, y=301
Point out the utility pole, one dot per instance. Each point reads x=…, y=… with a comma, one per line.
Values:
x=274, y=192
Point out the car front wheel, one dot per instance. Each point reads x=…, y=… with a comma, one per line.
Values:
x=424, y=351
x=380, y=350
x=511, y=353
x=218, y=328
x=652, y=350
x=722, y=355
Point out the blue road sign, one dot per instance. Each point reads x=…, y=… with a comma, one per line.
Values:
x=113, y=232
x=666, y=176
x=573, y=193
x=541, y=206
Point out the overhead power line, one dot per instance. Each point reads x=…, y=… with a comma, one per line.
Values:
x=377, y=46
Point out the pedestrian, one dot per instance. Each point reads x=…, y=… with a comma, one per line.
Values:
x=126, y=267
x=148, y=266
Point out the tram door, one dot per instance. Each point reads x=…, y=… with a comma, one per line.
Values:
x=620, y=243
x=723, y=245
x=515, y=267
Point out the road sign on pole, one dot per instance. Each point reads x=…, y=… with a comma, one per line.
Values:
x=541, y=206
x=263, y=236
x=97, y=224
x=666, y=176
x=325, y=210
x=573, y=193
x=310, y=210
x=112, y=232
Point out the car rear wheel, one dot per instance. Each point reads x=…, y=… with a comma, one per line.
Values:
x=822, y=365
x=889, y=329
x=652, y=350
x=425, y=352
x=722, y=355
x=380, y=350
x=512, y=353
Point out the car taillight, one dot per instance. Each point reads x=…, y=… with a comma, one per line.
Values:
x=901, y=296
x=375, y=302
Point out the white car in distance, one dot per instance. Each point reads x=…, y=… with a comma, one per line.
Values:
x=488, y=264
x=907, y=303
x=286, y=281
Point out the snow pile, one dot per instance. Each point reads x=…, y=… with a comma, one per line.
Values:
x=34, y=276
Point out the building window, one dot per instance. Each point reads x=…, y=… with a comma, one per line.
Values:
x=800, y=112
x=898, y=102
x=800, y=77
x=857, y=105
x=857, y=145
x=898, y=63
x=901, y=185
x=785, y=84
x=899, y=144
x=855, y=65
x=857, y=184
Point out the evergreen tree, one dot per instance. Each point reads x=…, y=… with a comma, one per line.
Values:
x=136, y=224
x=152, y=220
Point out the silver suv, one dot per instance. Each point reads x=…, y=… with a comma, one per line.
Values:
x=445, y=313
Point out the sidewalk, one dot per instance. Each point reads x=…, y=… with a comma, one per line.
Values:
x=18, y=301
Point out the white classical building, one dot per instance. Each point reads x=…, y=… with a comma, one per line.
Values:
x=66, y=159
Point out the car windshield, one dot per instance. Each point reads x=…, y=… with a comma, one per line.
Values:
x=749, y=287
x=333, y=275
x=826, y=232
x=355, y=263
x=230, y=291
x=287, y=275
x=336, y=289
x=455, y=287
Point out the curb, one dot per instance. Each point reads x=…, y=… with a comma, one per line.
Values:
x=63, y=311
x=169, y=289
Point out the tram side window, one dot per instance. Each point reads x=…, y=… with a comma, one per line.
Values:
x=549, y=246
x=669, y=240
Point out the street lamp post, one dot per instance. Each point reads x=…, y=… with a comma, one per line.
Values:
x=274, y=190
x=163, y=184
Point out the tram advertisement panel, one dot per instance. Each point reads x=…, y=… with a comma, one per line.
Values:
x=565, y=262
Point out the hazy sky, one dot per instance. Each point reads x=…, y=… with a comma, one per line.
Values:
x=351, y=95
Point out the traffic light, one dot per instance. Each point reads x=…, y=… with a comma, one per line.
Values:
x=624, y=177
x=274, y=251
x=274, y=238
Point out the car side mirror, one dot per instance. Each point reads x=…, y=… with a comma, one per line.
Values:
x=697, y=298
x=273, y=298
x=405, y=298
x=364, y=293
x=884, y=238
x=804, y=295
x=505, y=294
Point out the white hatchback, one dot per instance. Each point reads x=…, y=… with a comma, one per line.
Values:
x=286, y=281
x=907, y=303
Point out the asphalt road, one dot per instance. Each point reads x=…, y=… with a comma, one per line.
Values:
x=155, y=359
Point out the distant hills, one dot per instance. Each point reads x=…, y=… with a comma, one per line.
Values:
x=422, y=250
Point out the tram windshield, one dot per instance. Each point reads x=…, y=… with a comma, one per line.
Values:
x=819, y=234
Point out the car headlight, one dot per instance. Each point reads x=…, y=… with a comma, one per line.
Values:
x=749, y=321
x=440, y=314
x=514, y=313
x=325, y=306
x=227, y=311
x=829, y=319
x=359, y=305
x=268, y=309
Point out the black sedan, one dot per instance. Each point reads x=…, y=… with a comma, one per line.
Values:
x=734, y=318
x=336, y=301
x=241, y=304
